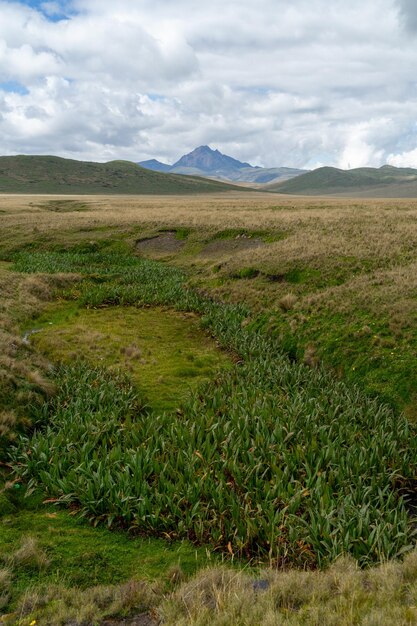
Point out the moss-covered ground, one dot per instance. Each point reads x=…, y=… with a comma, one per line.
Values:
x=80, y=556
x=165, y=353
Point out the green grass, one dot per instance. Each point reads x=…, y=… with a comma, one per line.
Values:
x=82, y=556
x=246, y=272
x=50, y=174
x=360, y=347
x=273, y=460
x=358, y=314
x=384, y=182
x=165, y=353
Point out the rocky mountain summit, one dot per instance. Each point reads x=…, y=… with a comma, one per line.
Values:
x=204, y=161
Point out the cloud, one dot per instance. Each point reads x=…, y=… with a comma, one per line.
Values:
x=276, y=83
x=408, y=13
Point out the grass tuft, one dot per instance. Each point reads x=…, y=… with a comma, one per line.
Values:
x=28, y=556
x=5, y=587
x=57, y=606
x=288, y=302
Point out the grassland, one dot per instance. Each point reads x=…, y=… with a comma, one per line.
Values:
x=50, y=174
x=384, y=182
x=298, y=290
x=349, y=264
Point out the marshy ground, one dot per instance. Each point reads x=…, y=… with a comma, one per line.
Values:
x=326, y=290
x=164, y=352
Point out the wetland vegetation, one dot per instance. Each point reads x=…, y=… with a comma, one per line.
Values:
x=220, y=401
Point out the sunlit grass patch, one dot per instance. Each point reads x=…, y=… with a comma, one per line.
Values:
x=45, y=547
x=342, y=595
x=165, y=353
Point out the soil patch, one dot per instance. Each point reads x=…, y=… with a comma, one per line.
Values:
x=165, y=243
x=231, y=246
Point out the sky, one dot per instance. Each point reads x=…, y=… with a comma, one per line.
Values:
x=299, y=83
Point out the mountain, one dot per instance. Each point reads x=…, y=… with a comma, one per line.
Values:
x=156, y=166
x=263, y=175
x=50, y=174
x=386, y=181
x=203, y=161
x=209, y=161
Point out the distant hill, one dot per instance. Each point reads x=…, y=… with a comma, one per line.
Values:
x=50, y=174
x=156, y=166
x=203, y=161
x=386, y=181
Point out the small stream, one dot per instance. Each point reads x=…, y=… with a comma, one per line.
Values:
x=27, y=335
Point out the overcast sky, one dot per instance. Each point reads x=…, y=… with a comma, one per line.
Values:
x=300, y=83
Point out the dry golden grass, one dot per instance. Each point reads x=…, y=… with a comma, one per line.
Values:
x=59, y=606
x=391, y=291
x=317, y=232
x=288, y=302
x=233, y=210
x=5, y=585
x=7, y=421
x=343, y=595
x=315, y=229
x=22, y=371
x=29, y=554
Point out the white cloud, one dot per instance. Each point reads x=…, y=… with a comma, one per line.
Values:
x=274, y=83
x=359, y=150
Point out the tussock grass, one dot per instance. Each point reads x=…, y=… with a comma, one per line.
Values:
x=28, y=555
x=8, y=420
x=288, y=301
x=343, y=595
x=59, y=606
x=23, y=373
x=5, y=585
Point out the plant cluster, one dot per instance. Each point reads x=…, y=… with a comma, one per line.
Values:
x=273, y=459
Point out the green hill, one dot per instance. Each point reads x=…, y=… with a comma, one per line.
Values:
x=387, y=181
x=50, y=174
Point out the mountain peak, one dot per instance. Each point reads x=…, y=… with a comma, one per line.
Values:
x=209, y=160
x=206, y=161
x=156, y=166
x=204, y=149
